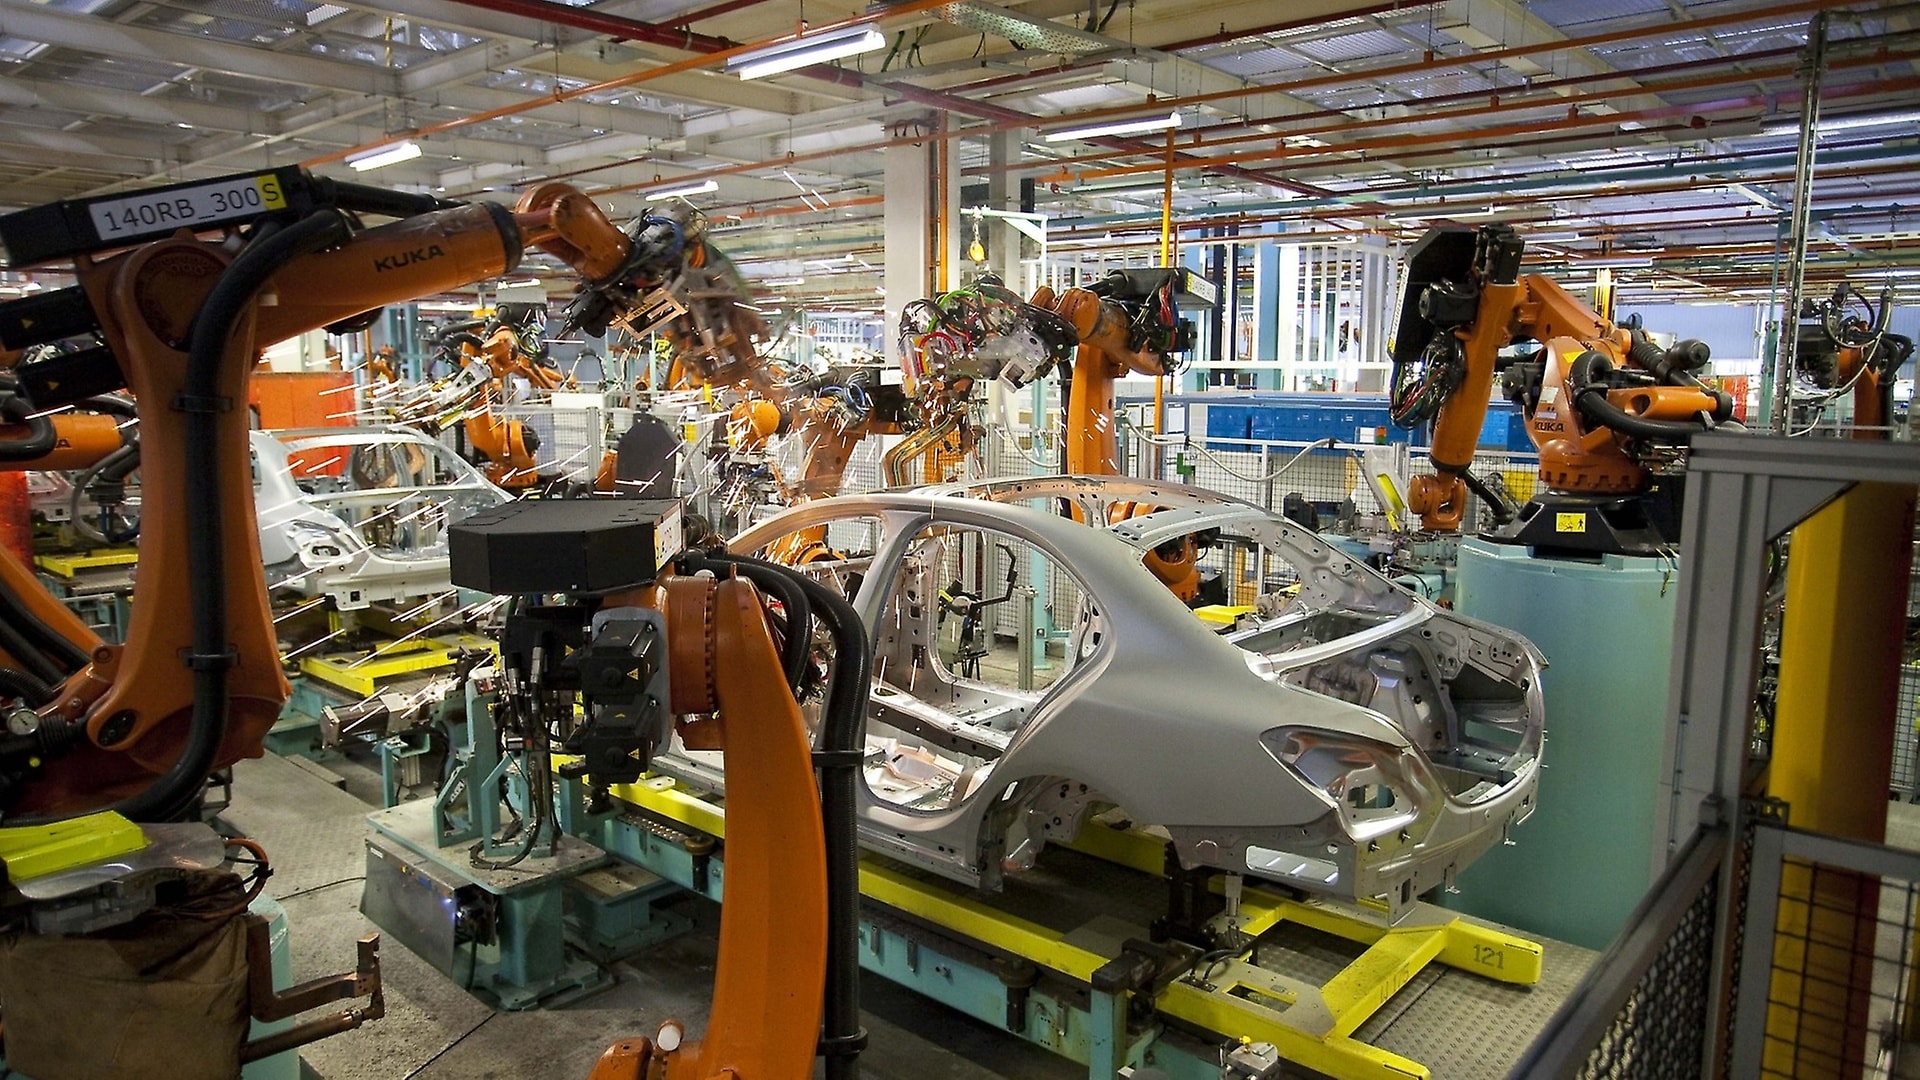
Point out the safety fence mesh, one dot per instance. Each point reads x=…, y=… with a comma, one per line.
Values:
x=1905, y=781
x=1642, y=1011
x=1659, y=1032
x=1831, y=991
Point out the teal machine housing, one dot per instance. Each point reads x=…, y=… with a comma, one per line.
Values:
x=1575, y=869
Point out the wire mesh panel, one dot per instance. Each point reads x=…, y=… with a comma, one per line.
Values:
x=1659, y=1032
x=1905, y=781
x=1642, y=1010
x=863, y=467
x=572, y=440
x=1830, y=991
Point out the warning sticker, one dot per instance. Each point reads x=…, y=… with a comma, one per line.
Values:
x=1570, y=523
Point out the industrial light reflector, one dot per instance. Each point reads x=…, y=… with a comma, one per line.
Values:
x=807, y=49
x=1844, y=122
x=381, y=157
x=777, y=282
x=683, y=191
x=1118, y=127
x=1137, y=187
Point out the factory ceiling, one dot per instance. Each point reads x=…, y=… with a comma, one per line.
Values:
x=1655, y=136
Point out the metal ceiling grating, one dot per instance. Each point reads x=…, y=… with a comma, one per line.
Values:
x=1581, y=12
x=1366, y=45
x=1254, y=63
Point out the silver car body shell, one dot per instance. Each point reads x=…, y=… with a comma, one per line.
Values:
x=1176, y=723
x=365, y=545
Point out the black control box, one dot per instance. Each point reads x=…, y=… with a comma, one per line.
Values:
x=577, y=546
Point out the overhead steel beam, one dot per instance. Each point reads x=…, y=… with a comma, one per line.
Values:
x=90, y=33
x=1500, y=24
x=100, y=101
x=26, y=143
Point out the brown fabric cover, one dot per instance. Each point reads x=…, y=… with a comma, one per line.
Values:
x=163, y=995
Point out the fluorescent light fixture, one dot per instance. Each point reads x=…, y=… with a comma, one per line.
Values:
x=1136, y=187
x=446, y=305
x=323, y=12
x=381, y=157
x=528, y=283
x=1843, y=123
x=1551, y=237
x=807, y=49
x=777, y=282
x=683, y=190
x=1118, y=127
x=1617, y=262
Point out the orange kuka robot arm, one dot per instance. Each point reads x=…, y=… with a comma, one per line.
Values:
x=63, y=442
x=1466, y=300
x=124, y=714
x=1597, y=388
x=1456, y=315
x=765, y=1021
x=1104, y=355
x=1107, y=351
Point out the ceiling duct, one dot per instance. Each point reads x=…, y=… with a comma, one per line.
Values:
x=1023, y=31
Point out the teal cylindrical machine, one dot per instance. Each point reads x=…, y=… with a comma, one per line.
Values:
x=1577, y=867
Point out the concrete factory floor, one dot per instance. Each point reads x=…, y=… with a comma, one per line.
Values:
x=1461, y=1026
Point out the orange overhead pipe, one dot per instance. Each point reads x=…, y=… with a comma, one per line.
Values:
x=1539, y=94
x=1460, y=139
x=1517, y=200
x=1101, y=58
x=1534, y=97
x=692, y=63
x=1432, y=63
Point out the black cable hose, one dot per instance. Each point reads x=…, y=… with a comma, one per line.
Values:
x=843, y=722
x=386, y=202
x=1593, y=405
x=26, y=654
x=174, y=791
x=42, y=644
x=35, y=692
x=109, y=403
x=40, y=435
x=1585, y=377
x=1496, y=503
x=110, y=470
x=784, y=585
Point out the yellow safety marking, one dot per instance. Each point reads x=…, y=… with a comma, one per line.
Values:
x=1467, y=946
x=33, y=851
x=1042, y=945
x=361, y=673
x=1364, y=986
x=1250, y=1004
x=1235, y=1016
x=74, y=563
x=1570, y=523
x=664, y=797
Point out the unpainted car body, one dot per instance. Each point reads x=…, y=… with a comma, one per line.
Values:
x=360, y=515
x=1351, y=739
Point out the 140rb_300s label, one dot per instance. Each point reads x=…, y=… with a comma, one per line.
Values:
x=232, y=199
